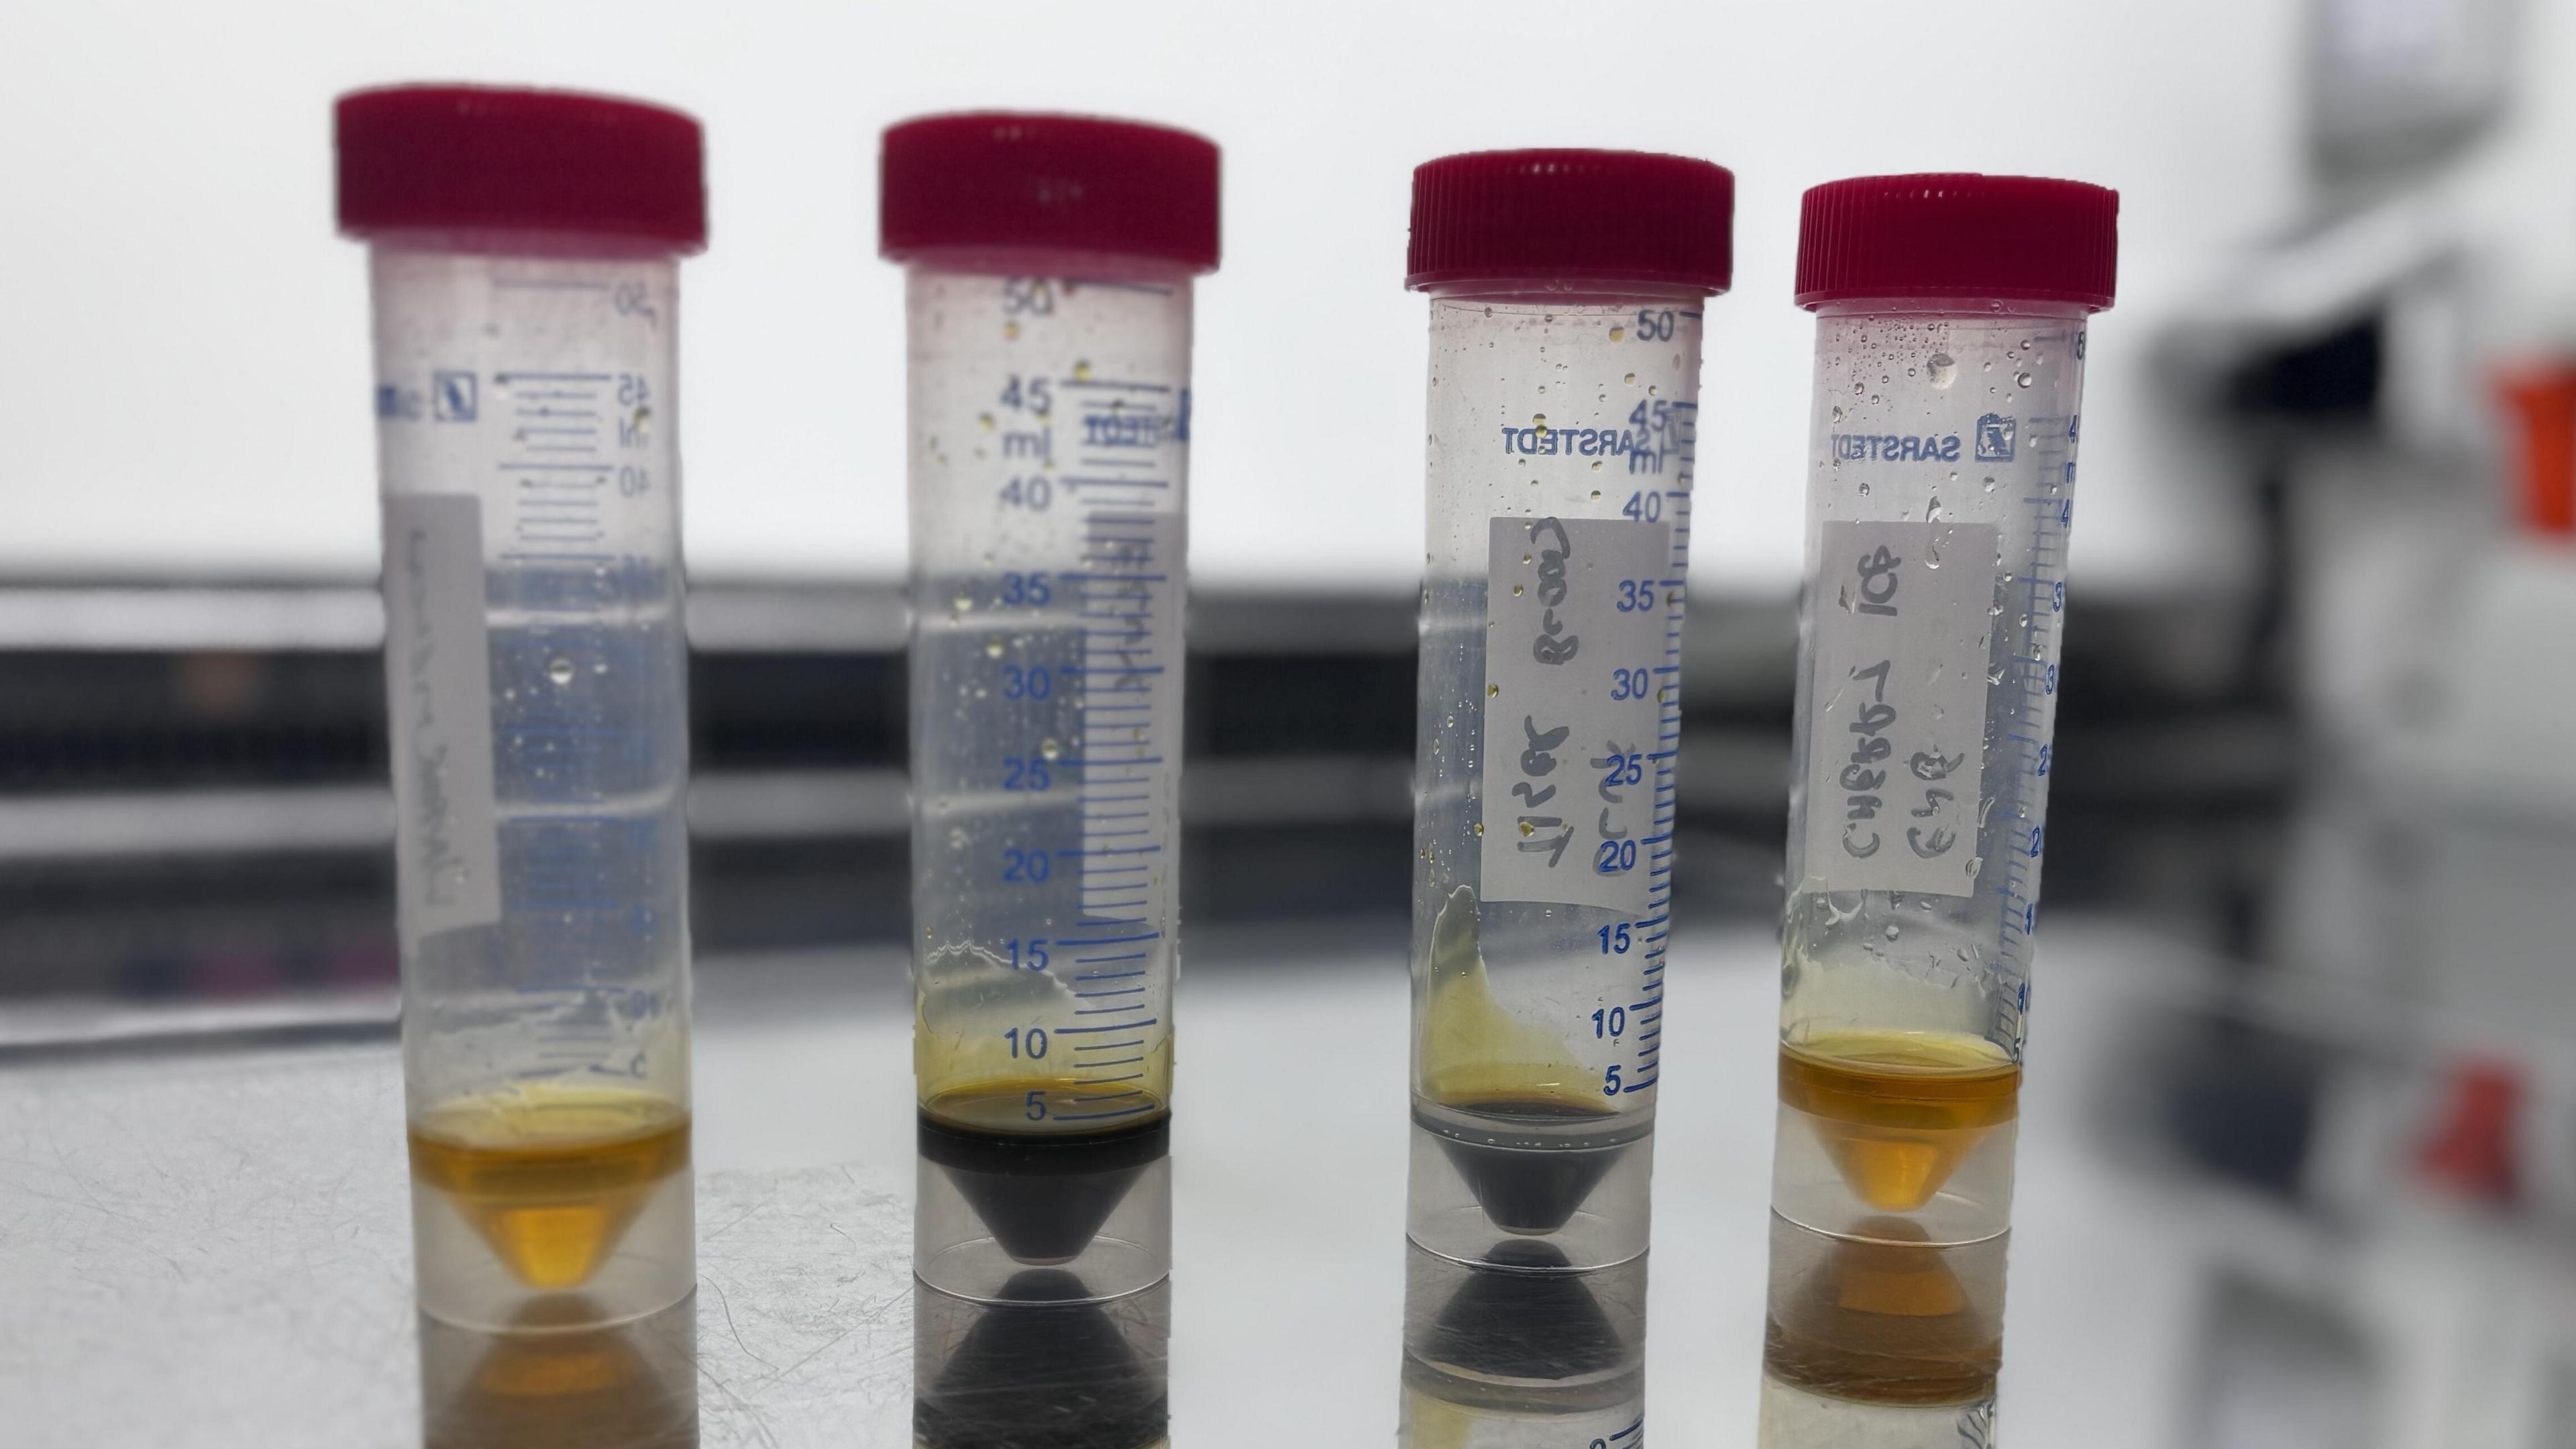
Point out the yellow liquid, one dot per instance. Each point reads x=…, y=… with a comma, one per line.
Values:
x=974, y=1067
x=1474, y=1055
x=1899, y=1111
x=550, y=1175
x=1004, y=1106
x=1889, y=1322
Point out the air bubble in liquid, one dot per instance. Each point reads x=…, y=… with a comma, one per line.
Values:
x=2021, y=379
x=1048, y=749
x=559, y=669
x=992, y=648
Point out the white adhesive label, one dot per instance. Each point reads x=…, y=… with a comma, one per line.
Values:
x=439, y=691
x=1896, y=756
x=1576, y=669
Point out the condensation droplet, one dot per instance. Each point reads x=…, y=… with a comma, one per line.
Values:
x=2021, y=379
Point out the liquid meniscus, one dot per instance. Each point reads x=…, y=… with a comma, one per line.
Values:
x=550, y=1175
x=1899, y=1111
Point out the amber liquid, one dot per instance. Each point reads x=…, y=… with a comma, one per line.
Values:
x=1009, y=1107
x=550, y=1176
x=1899, y=1111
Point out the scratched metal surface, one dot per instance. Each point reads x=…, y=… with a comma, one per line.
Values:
x=213, y=1249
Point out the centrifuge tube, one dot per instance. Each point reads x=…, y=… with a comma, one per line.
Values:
x=524, y=248
x=1049, y=265
x=1949, y=371
x=1566, y=294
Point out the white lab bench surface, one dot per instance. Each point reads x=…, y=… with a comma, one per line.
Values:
x=205, y=1247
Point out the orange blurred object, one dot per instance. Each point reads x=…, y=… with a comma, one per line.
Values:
x=2471, y=1149
x=2541, y=397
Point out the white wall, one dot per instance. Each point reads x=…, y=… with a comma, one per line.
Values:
x=183, y=365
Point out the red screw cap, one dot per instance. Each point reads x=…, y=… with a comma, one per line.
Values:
x=2015, y=238
x=481, y=158
x=1000, y=181
x=1605, y=216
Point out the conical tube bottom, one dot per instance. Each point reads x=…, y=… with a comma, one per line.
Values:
x=994, y=1204
x=539, y=1190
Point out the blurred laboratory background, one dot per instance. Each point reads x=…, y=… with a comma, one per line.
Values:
x=2313, y=876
